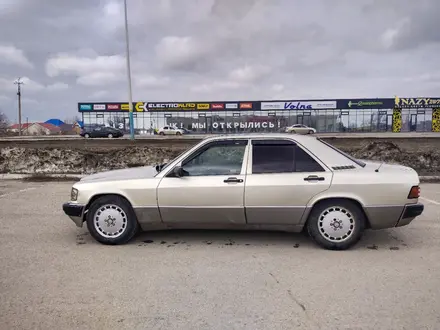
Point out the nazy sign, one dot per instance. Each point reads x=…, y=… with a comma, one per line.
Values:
x=298, y=105
x=417, y=102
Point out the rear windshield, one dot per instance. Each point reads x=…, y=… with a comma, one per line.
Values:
x=357, y=161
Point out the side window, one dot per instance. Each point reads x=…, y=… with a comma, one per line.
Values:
x=224, y=158
x=305, y=163
x=281, y=157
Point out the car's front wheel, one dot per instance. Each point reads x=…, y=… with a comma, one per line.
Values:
x=336, y=224
x=178, y=133
x=87, y=135
x=111, y=220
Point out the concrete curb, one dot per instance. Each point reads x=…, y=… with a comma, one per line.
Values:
x=74, y=177
x=434, y=178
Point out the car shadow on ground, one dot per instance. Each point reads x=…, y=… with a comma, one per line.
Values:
x=223, y=238
x=387, y=239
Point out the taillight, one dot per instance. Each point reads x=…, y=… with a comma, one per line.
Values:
x=414, y=192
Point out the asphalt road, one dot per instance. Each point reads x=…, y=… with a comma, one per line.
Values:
x=54, y=276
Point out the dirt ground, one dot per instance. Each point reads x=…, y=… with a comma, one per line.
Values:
x=86, y=161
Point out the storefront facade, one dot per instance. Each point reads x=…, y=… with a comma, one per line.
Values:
x=342, y=115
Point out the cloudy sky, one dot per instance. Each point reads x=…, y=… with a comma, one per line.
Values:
x=70, y=51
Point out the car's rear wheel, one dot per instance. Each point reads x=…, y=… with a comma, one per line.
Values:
x=111, y=220
x=110, y=136
x=336, y=224
x=178, y=133
x=161, y=133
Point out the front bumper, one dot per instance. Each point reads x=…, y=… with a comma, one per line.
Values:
x=410, y=211
x=75, y=212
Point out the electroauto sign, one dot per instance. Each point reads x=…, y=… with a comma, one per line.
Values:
x=155, y=107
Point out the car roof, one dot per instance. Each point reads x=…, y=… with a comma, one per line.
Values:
x=260, y=135
x=325, y=153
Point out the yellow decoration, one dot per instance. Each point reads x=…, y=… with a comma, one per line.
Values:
x=397, y=120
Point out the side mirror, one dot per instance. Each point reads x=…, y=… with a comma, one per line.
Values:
x=159, y=167
x=178, y=171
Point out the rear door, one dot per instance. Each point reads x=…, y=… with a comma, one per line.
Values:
x=281, y=179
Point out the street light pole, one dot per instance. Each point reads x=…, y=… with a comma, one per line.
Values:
x=130, y=95
x=18, y=82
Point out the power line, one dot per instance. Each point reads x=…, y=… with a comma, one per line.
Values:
x=19, y=82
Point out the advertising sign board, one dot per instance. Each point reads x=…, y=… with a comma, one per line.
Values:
x=417, y=102
x=298, y=105
x=365, y=103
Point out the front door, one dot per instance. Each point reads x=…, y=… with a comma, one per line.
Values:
x=212, y=189
x=281, y=180
x=126, y=124
x=98, y=132
x=389, y=122
x=413, y=123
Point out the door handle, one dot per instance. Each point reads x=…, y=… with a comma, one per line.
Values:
x=314, y=178
x=229, y=180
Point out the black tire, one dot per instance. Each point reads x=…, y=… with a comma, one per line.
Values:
x=310, y=132
x=87, y=135
x=161, y=133
x=178, y=133
x=119, y=205
x=353, y=219
x=110, y=136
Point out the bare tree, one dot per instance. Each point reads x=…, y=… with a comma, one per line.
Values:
x=4, y=123
x=71, y=120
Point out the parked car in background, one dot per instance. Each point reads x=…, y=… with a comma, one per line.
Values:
x=185, y=130
x=254, y=181
x=300, y=129
x=101, y=131
x=170, y=130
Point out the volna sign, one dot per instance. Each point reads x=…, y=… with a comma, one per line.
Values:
x=298, y=105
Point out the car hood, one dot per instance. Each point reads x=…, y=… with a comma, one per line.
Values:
x=143, y=172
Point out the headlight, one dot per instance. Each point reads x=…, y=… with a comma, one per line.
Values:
x=74, y=194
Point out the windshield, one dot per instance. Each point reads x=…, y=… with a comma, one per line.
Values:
x=357, y=161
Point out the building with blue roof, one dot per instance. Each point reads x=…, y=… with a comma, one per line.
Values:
x=55, y=122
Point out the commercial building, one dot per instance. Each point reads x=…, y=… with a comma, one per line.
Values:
x=341, y=115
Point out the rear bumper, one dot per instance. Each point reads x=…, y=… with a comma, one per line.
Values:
x=410, y=212
x=390, y=216
x=74, y=212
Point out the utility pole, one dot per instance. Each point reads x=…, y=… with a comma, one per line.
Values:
x=130, y=97
x=18, y=82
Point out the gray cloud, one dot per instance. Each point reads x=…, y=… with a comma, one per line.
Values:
x=71, y=51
